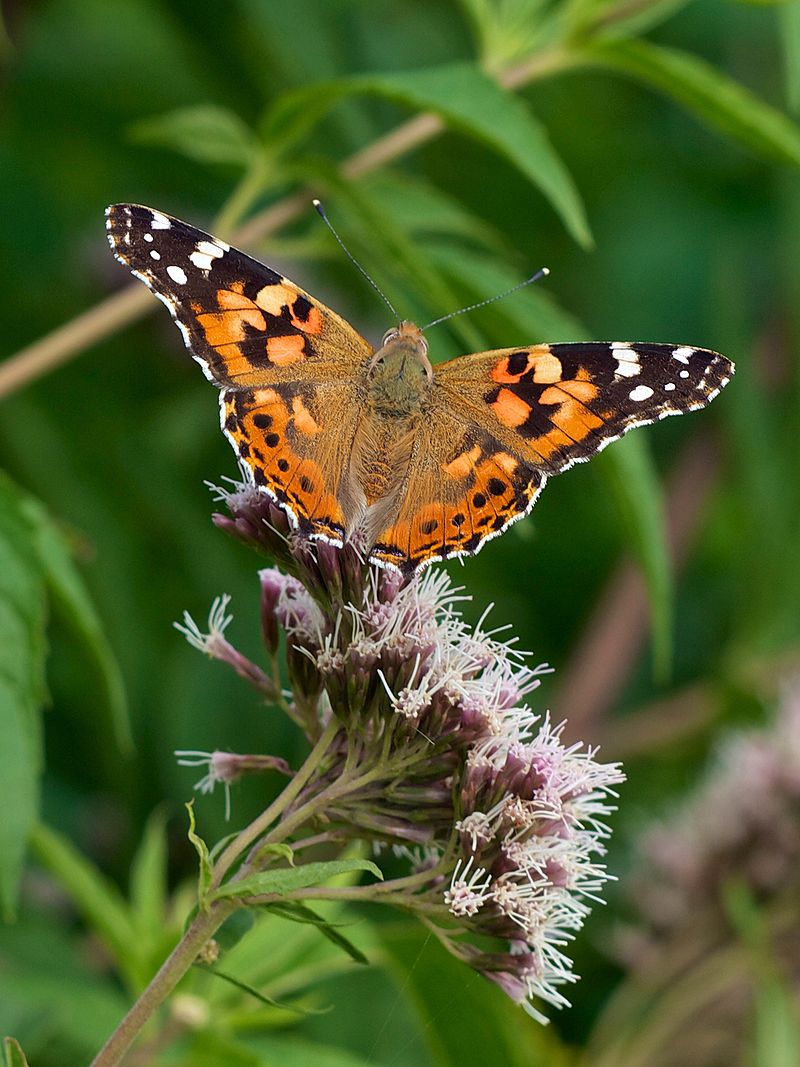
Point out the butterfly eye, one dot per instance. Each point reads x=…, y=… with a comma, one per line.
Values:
x=390, y=335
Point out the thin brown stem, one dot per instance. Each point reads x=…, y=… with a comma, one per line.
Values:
x=261, y=824
x=80, y=333
x=169, y=974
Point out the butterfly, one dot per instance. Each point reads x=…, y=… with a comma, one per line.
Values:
x=413, y=462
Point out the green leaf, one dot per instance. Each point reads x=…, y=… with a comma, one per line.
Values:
x=13, y=1054
x=22, y=687
x=789, y=23
x=486, y=1028
x=420, y=209
x=300, y=913
x=467, y=100
x=397, y=251
x=287, y=880
x=205, y=133
x=253, y=992
x=777, y=1027
x=506, y=32
x=97, y=899
x=69, y=594
x=237, y=925
x=205, y=871
x=532, y=315
x=628, y=466
x=609, y=20
x=292, y=1050
x=148, y=880
x=282, y=850
x=717, y=100
x=777, y=1023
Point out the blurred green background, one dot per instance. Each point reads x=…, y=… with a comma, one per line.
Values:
x=645, y=152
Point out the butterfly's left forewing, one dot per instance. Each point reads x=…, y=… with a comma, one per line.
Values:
x=286, y=365
x=501, y=422
x=243, y=322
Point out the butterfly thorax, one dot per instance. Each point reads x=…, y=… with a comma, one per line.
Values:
x=399, y=375
x=397, y=393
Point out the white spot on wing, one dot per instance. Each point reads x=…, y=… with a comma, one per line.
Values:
x=178, y=274
x=148, y=237
x=154, y=254
x=641, y=392
x=682, y=354
x=159, y=221
x=684, y=374
x=201, y=260
x=628, y=368
x=669, y=387
x=210, y=248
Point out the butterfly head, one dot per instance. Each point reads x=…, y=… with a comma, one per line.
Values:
x=400, y=373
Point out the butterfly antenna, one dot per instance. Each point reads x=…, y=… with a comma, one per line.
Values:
x=542, y=273
x=352, y=258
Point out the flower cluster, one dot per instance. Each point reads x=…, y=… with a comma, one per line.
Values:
x=433, y=753
x=742, y=824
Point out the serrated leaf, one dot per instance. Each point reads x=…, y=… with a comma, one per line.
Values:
x=206, y=133
x=94, y=896
x=300, y=913
x=68, y=591
x=629, y=468
x=13, y=1054
x=204, y=873
x=467, y=100
x=22, y=687
x=286, y=881
x=716, y=99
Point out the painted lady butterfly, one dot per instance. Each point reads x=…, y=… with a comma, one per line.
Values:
x=416, y=462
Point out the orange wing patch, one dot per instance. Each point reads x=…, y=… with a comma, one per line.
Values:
x=274, y=299
x=249, y=334
x=510, y=409
x=273, y=433
x=537, y=363
x=482, y=491
x=288, y=349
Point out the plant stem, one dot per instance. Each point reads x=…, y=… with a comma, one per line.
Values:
x=261, y=824
x=169, y=974
x=207, y=922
